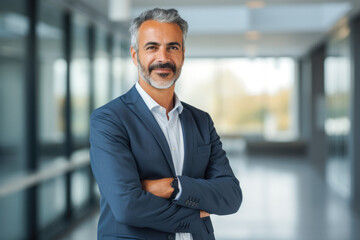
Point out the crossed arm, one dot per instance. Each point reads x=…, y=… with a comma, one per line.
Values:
x=162, y=188
x=218, y=192
x=145, y=203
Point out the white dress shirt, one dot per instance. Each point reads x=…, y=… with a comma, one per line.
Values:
x=173, y=133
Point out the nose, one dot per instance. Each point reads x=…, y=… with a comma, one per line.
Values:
x=162, y=55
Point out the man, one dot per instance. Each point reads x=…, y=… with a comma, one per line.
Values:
x=159, y=163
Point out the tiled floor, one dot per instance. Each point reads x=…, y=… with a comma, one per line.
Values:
x=284, y=199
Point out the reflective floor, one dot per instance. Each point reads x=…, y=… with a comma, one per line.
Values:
x=284, y=199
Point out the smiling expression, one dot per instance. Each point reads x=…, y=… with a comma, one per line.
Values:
x=161, y=53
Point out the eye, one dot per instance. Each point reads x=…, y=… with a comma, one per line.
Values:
x=174, y=48
x=150, y=48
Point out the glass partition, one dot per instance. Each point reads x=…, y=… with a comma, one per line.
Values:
x=52, y=201
x=13, y=32
x=52, y=82
x=101, y=68
x=79, y=82
x=245, y=97
x=117, y=66
x=337, y=122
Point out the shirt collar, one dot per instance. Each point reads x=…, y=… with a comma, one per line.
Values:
x=152, y=104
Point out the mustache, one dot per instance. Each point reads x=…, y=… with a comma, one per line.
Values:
x=162, y=65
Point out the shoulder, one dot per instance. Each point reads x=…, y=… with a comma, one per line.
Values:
x=115, y=108
x=108, y=115
x=198, y=114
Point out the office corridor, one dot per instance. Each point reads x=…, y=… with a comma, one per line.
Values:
x=282, y=77
x=284, y=199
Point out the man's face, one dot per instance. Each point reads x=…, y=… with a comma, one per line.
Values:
x=161, y=53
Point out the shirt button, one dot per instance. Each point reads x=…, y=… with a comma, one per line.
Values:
x=173, y=148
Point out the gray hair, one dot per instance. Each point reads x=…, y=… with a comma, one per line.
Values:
x=159, y=15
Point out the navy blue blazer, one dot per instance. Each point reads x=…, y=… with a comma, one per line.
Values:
x=127, y=146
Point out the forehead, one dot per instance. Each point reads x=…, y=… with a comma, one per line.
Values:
x=155, y=31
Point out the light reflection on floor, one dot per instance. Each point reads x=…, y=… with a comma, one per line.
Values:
x=284, y=199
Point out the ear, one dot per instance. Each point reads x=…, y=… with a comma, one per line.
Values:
x=134, y=56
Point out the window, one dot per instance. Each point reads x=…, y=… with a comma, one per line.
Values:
x=117, y=66
x=51, y=102
x=80, y=82
x=245, y=97
x=101, y=68
x=13, y=28
x=338, y=104
x=52, y=82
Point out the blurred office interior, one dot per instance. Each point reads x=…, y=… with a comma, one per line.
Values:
x=280, y=78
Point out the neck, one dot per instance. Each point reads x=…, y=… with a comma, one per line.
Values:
x=164, y=97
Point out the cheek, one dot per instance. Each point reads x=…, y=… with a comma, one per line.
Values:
x=181, y=60
x=147, y=61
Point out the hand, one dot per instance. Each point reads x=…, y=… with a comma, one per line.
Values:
x=159, y=187
x=204, y=214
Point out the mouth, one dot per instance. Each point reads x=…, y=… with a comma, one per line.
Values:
x=163, y=70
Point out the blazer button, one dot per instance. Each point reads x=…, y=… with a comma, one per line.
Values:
x=197, y=205
x=187, y=202
x=171, y=237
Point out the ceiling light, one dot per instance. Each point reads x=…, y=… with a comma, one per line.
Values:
x=343, y=32
x=252, y=35
x=255, y=4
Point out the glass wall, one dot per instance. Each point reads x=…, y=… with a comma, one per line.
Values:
x=13, y=216
x=51, y=201
x=51, y=105
x=14, y=26
x=80, y=82
x=245, y=97
x=80, y=108
x=58, y=189
x=13, y=29
x=101, y=68
x=117, y=66
x=80, y=188
x=52, y=81
x=337, y=123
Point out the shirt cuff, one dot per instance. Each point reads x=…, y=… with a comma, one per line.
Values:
x=180, y=190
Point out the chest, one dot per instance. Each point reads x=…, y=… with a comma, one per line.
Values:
x=155, y=149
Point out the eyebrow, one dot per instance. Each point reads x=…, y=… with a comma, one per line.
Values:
x=158, y=44
x=151, y=43
x=174, y=43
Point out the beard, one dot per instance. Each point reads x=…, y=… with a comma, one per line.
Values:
x=161, y=82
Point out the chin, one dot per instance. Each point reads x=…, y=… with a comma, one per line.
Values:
x=163, y=84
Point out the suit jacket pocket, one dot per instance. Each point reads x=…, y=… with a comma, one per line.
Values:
x=208, y=224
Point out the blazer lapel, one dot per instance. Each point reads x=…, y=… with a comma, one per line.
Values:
x=138, y=106
x=188, y=136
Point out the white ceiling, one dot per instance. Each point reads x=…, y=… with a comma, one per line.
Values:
x=230, y=28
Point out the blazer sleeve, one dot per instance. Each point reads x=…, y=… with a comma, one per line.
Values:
x=219, y=193
x=116, y=173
